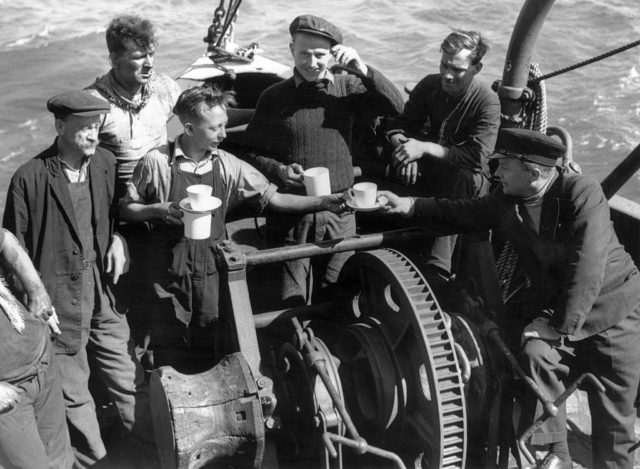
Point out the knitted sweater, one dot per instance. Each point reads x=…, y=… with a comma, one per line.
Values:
x=312, y=124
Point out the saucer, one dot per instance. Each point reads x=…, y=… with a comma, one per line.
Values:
x=358, y=208
x=213, y=204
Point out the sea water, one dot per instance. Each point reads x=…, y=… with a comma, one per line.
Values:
x=49, y=46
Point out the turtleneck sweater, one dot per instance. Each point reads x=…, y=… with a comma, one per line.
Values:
x=533, y=204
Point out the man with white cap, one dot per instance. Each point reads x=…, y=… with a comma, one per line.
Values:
x=577, y=308
x=61, y=206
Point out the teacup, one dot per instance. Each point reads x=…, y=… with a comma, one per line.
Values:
x=197, y=225
x=199, y=196
x=364, y=194
x=316, y=181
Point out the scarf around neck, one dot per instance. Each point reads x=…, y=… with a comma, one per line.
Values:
x=109, y=87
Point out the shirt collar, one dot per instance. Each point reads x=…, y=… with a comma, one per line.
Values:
x=69, y=170
x=326, y=76
x=178, y=153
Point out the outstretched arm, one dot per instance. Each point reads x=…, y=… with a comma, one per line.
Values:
x=444, y=215
x=305, y=204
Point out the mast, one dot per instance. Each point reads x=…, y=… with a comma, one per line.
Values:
x=513, y=89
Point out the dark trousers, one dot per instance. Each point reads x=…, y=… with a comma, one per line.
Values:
x=439, y=178
x=297, y=275
x=33, y=434
x=612, y=356
x=110, y=349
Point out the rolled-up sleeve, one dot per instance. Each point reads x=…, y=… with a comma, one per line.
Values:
x=246, y=184
x=151, y=180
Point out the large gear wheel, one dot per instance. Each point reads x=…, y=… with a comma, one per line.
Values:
x=399, y=368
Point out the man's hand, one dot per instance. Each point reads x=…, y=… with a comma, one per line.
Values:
x=117, y=257
x=292, y=175
x=394, y=205
x=408, y=151
x=409, y=173
x=335, y=203
x=539, y=328
x=172, y=213
x=9, y=396
x=348, y=57
x=40, y=306
x=397, y=139
x=54, y=322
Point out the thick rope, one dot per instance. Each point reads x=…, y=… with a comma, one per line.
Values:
x=535, y=112
x=587, y=62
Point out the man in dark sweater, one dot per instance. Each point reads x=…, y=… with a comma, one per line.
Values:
x=448, y=125
x=307, y=121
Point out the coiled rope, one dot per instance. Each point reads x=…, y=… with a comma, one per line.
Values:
x=586, y=62
x=535, y=111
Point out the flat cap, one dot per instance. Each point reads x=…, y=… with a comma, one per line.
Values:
x=318, y=26
x=528, y=145
x=77, y=103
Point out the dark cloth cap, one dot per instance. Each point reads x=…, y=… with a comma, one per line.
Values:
x=318, y=26
x=77, y=103
x=528, y=145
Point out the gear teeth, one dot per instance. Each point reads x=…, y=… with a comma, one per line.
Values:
x=442, y=358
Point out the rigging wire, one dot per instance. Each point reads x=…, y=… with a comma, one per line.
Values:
x=232, y=11
x=586, y=62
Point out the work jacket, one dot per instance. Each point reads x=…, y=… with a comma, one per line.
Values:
x=578, y=269
x=39, y=211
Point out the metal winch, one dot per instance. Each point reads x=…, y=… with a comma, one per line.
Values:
x=379, y=376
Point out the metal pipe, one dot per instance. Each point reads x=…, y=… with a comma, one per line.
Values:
x=567, y=141
x=329, y=438
x=621, y=173
x=558, y=402
x=263, y=320
x=516, y=65
x=267, y=256
x=317, y=362
x=547, y=404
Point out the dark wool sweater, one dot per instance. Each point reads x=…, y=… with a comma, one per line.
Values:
x=312, y=124
x=472, y=120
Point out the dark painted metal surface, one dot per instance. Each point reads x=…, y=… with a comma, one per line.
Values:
x=369, y=241
x=516, y=66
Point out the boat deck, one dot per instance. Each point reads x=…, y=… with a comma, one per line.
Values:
x=125, y=453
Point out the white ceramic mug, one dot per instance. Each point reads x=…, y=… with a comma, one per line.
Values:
x=316, y=181
x=199, y=196
x=364, y=194
x=197, y=225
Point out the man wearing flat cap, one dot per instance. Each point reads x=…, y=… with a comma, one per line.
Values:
x=61, y=205
x=575, y=307
x=308, y=121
